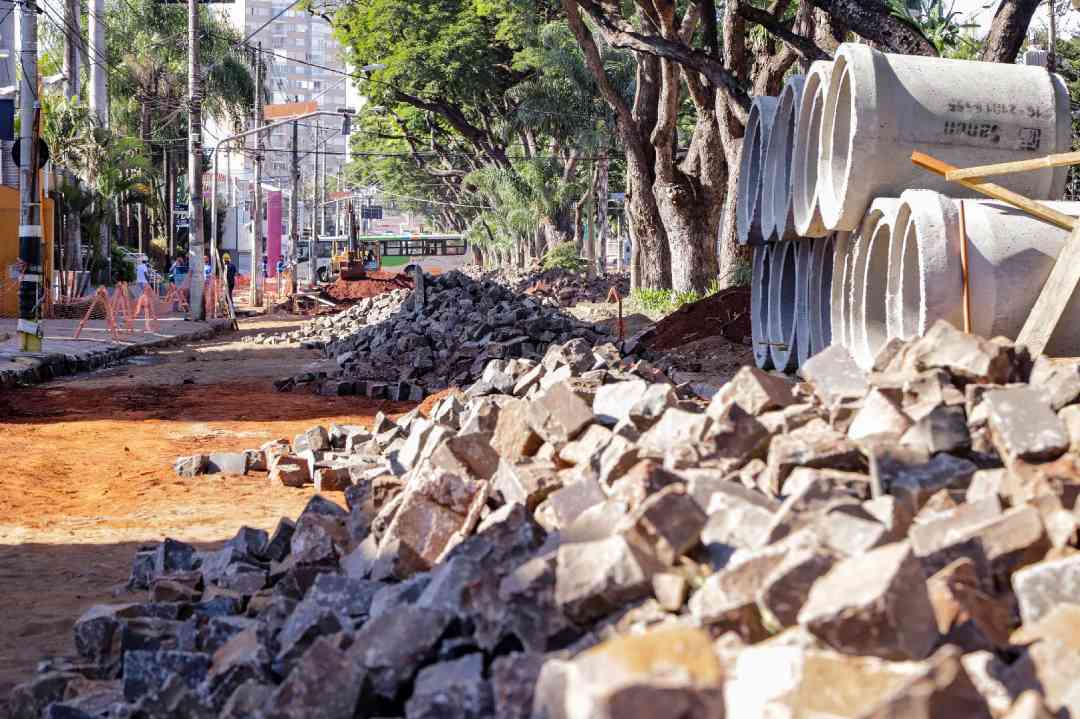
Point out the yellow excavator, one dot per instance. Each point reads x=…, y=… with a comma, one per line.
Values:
x=359, y=256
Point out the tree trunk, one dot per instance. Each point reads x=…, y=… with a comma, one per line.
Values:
x=635, y=125
x=602, y=194
x=1008, y=30
x=589, y=231
x=170, y=206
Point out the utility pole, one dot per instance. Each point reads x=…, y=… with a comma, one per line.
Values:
x=99, y=105
x=195, y=199
x=294, y=206
x=1051, y=58
x=99, y=101
x=29, y=210
x=315, y=201
x=72, y=47
x=257, y=249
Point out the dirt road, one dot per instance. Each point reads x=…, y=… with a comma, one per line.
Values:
x=85, y=465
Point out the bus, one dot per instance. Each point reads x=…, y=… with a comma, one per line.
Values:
x=438, y=252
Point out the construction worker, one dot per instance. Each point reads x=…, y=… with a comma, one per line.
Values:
x=179, y=269
x=229, y=270
x=142, y=274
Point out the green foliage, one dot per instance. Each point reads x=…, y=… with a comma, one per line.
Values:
x=940, y=25
x=664, y=302
x=122, y=270
x=482, y=115
x=564, y=256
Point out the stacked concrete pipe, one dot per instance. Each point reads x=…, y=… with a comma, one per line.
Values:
x=804, y=283
x=854, y=256
x=783, y=324
x=804, y=170
x=778, y=218
x=819, y=302
x=749, y=227
x=759, y=306
x=880, y=107
x=1010, y=255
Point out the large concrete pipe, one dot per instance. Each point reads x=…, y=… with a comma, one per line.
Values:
x=783, y=300
x=820, y=307
x=870, y=295
x=837, y=308
x=882, y=210
x=927, y=242
x=1010, y=255
x=759, y=306
x=777, y=215
x=748, y=224
x=804, y=283
x=881, y=107
x=804, y=160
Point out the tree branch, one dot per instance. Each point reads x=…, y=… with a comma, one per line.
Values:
x=805, y=47
x=873, y=20
x=621, y=34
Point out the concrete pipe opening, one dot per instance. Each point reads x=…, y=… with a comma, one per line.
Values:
x=930, y=284
x=783, y=295
x=821, y=270
x=759, y=306
x=748, y=221
x=894, y=308
x=1010, y=255
x=834, y=164
x=880, y=107
x=882, y=210
x=837, y=317
x=804, y=170
x=873, y=332
x=777, y=218
x=804, y=288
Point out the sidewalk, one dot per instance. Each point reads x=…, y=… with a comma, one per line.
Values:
x=62, y=354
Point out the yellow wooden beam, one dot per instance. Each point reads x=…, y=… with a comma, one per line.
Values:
x=1061, y=159
x=997, y=192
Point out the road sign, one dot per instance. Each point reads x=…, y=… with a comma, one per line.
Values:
x=371, y=213
x=285, y=110
x=42, y=154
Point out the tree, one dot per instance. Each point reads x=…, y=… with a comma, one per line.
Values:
x=462, y=86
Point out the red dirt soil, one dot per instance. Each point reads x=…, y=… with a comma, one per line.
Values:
x=727, y=314
x=88, y=479
x=376, y=283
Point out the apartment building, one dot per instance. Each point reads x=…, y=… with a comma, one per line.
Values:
x=304, y=63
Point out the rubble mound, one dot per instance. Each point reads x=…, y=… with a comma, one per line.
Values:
x=375, y=283
x=578, y=537
x=726, y=314
x=441, y=335
x=556, y=286
x=317, y=332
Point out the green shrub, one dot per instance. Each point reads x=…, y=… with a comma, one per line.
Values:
x=564, y=257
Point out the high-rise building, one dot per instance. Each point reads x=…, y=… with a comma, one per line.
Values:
x=304, y=63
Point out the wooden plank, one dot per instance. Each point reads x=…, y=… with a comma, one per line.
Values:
x=997, y=192
x=965, y=277
x=1055, y=296
x=1060, y=159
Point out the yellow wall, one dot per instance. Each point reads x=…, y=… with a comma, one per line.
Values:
x=9, y=247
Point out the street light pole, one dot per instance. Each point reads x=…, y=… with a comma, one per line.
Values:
x=29, y=210
x=257, y=248
x=195, y=169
